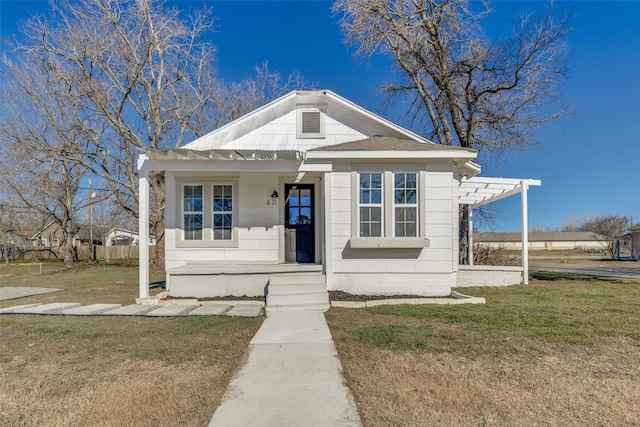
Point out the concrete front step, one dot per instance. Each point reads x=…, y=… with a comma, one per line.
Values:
x=294, y=299
x=298, y=292
x=297, y=288
x=297, y=279
x=298, y=307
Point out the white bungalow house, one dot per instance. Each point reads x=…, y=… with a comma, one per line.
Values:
x=310, y=193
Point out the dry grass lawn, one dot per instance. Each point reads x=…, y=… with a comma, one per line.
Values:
x=559, y=352
x=113, y=283
x=112, y=371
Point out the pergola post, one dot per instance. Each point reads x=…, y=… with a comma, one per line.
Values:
x=143, y=229
x=470, y=235
x=525, y=233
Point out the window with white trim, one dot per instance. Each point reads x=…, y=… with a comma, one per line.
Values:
x=222, y=212
x=388, y=205
x=207, y=213
x=192, y=210
x=405, y=204
x=370, y=200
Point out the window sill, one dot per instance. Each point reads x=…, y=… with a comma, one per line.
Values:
x=388, y=243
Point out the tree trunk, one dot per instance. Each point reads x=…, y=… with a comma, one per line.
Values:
x=464, y=235
x=5, y=253
x=158, y=257
x=68, y=244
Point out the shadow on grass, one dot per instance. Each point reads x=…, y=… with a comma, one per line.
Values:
x=553, y=275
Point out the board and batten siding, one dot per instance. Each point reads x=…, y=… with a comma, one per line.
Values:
x=428, y=271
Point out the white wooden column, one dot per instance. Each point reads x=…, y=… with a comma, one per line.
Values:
x=525, y=233
x=328, y=230
x=143, y=228
x=470, y=235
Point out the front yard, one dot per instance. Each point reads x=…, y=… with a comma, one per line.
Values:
x=557, y=352
x=111, y=371
x=564, y=350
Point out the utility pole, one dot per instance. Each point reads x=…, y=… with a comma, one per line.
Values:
x=91, y=257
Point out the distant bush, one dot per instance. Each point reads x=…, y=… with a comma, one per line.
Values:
x=485, y=255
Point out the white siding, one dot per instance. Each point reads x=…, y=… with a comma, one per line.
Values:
x=428, y=271
x=280, y=134
x=257, y=222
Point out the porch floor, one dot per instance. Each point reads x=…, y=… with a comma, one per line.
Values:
x=212, y=268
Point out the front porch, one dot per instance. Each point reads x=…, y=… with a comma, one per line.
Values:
x=286, y=286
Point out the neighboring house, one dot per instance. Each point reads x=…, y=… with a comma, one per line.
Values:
x=549, y=240
x=50, y=236
x=315, y=191
x=122, y=237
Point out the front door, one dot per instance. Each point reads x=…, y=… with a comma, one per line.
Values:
x=299, y=223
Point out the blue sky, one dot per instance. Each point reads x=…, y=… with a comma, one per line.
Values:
x=589, y=163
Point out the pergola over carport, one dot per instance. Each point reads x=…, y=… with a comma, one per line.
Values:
x=480, y=191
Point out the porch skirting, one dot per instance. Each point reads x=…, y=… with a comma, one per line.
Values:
x=206, y=280
x=488, y=275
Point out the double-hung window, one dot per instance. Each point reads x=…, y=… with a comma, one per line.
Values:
x=207, y=216
x=371, y=208
x=387, y=210
x=405, y=205
x=222, y=212
x=193, y=213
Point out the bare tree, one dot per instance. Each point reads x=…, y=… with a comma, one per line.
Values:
x=143, y=75
x=609, y=228
x=42, y=144
x=462, y=87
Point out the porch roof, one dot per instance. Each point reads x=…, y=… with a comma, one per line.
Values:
x=221, y=154
x=479, y=191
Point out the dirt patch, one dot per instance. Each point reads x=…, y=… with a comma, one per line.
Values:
x=344, y=296
x=225, y=298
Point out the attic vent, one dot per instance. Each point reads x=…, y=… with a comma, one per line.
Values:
x=310, y=124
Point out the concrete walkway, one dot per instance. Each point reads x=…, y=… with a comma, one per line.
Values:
x=75, y=309
x=292, y=378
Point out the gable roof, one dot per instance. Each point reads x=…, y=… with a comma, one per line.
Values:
x=326, y=100
x=271, y=133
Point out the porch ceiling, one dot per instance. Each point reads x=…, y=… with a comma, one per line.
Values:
x=479, y=191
